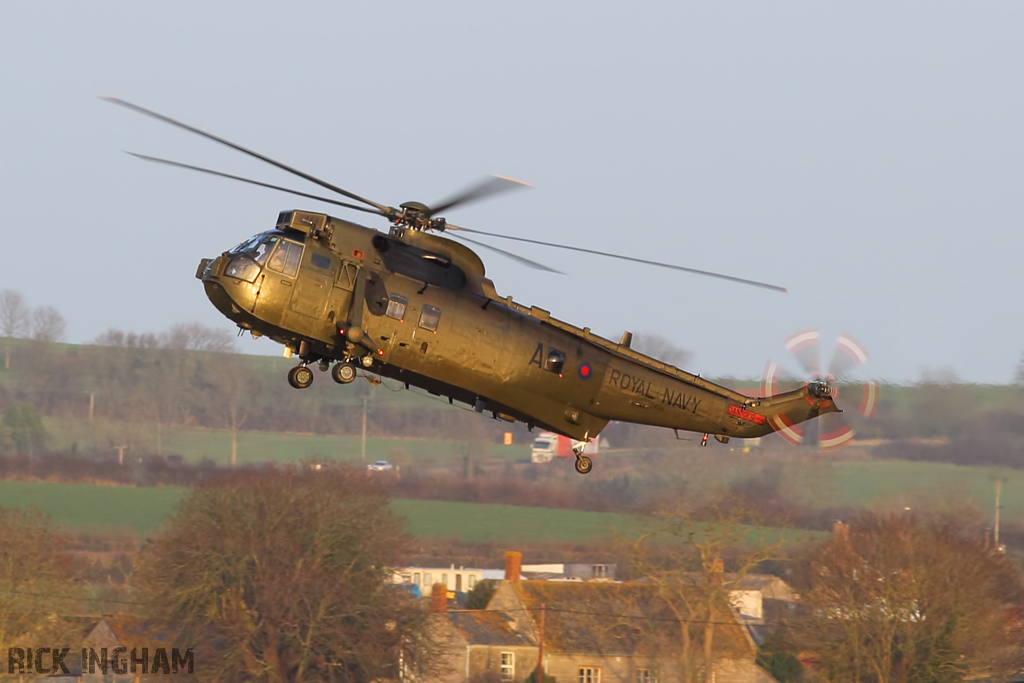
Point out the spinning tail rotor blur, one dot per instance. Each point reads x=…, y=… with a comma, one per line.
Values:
x=832, y=430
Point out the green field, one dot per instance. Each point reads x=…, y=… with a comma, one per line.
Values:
x=254, y=447
x=140, y=510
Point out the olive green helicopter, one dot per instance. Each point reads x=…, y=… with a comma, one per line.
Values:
x=416, y=307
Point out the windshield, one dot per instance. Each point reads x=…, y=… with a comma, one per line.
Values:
x=256, y=248
x=542, y=443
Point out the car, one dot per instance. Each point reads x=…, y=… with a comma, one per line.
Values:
x=381, y=466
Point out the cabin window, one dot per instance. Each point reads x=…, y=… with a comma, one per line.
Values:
x=444, y=580
x=590, y=674
x=321, y=261
x=554, y=361
x=396, y=307
x=286, y=258
x=508, y=666
x=426, y=579
x=429, y=318
x=416, y=578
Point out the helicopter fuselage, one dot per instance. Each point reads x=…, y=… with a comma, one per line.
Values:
x=417, y=308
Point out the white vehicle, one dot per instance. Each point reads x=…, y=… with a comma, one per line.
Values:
x=381, y=466
x=548, y=446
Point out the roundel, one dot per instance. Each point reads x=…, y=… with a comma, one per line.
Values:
x=585, y=371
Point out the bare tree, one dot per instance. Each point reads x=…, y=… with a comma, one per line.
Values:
x=232, y=388
x=286, y=575
x=33, y=567
x=48, y=325
x=661, y=348
x=198, y=337
x=685, y=559
x=899, y=598
x=14, y=320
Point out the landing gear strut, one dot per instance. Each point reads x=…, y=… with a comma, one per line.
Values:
x=343, y=373
x=583, y=463
x=300, y=376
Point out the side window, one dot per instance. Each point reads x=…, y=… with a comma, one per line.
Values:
x=429, y=318
x=321, y=261
x=396, y=307
x=286, y=257
x=554, y=361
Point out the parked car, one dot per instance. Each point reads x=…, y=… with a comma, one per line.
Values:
x=382, y=466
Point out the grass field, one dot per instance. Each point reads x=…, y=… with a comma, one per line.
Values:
x=215, y=444
x=141, y=510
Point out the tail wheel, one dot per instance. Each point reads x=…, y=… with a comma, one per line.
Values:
x=300, y=377
x=343, y=373
x=584, y=464
x=831, y=431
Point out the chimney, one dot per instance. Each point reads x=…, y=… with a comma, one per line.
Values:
x=840, y=532
x=513, y=561
x=439, y=598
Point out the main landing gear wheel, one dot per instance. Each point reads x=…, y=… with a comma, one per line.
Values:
x=300, y=377
x=584, y=464
x=343, y=373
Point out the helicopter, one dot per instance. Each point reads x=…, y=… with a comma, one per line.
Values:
x=414, y=306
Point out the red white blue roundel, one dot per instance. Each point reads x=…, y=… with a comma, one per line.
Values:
x=584, y=371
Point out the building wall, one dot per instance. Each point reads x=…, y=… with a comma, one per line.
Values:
x=485, y=660
x=614, y=669
x=425, y=577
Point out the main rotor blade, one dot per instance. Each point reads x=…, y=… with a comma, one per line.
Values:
x=485, y=188
x=516, y=257
x=720, y=276
x=257, y=155
x=178, y=164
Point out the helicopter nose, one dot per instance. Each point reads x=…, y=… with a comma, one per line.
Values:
x=204, y=265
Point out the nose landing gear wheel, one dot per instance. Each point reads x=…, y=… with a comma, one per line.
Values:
x=343, y=373
x=300, y=377
x=584, y=464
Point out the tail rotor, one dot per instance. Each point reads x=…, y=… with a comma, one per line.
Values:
x=830, y=431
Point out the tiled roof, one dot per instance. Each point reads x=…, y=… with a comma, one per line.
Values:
x=482, y=627
x=627, y=618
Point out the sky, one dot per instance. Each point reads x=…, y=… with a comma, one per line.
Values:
x=868, y=156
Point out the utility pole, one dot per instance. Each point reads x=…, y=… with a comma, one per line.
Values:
x=92, y=403
x=540, y=647
x=120, y=454
x=999, y=491
x=364, y=429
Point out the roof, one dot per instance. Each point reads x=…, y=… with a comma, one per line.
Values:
x=483, y=627
x=626, y=618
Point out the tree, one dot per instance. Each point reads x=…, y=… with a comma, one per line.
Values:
x=48, y=325
x=684, y=559
x=231, y=390
x=25, y=428
x=287, y=572
x=481, y=594
x=907, y=599
x=33, y=567
x=661, y=348
x=14, y=320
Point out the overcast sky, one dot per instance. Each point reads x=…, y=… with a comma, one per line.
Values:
x=868, y=156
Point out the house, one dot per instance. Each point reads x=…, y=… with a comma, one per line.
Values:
x=461, y=579
x=584, y=632
x=576, y=571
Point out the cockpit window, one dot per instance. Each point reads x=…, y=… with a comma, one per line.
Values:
x=286, y=257
x=246, y=245
x=262, y=250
